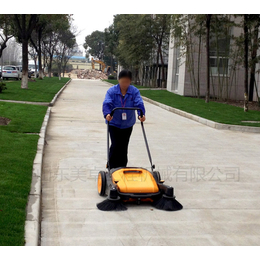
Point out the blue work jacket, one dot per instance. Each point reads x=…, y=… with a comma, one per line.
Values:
x=114, y=98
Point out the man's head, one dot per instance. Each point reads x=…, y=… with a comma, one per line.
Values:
x=124, y=78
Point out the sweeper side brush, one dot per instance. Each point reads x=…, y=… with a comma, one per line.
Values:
x=127, y=184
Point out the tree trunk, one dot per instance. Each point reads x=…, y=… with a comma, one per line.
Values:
x=198, y=90
x=24, y=33
x=59, y=71
x=64, y=67
x=156, y=69
x=142, y=83
x=208, y=17
x=40, y=54
x=246, y=63
x=50, y=67
x=3, y=46
x=24, y=83
x=258, y=98
x=44, y=63
x=253, y=58
x=163, y=73
x=2, y=65
x=35, y=66
x=111, y=65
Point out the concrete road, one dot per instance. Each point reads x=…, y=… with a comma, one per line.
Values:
x=215, y=174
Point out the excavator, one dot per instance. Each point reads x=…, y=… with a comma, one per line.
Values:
x=100, y=62
x=104, y=69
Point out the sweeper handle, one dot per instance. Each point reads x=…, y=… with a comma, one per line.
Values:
x=127, y=108
x=145, y=139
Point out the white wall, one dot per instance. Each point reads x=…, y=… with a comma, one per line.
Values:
x=172, y=66
x=170, y=75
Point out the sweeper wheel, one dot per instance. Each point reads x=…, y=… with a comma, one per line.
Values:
x=156, y=176
x=101, y=183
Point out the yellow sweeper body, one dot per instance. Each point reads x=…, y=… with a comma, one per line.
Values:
x=132, y=180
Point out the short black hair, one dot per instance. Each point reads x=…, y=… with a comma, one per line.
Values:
x=125, y=74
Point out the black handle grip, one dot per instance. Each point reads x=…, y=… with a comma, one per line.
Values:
x=126, y=108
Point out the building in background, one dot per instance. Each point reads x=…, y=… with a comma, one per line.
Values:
x=146, y=74
x=77, y=59
x=226, y=79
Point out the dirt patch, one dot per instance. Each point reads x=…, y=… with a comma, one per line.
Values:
x=252, y=105
x=89, y=74
x=4, y=121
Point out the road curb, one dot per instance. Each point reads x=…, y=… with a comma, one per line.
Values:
x=33, y=208
x=59, y=92
x=32, y=223
x=205, y=121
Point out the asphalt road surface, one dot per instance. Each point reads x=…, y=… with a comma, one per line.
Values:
x=215, y=174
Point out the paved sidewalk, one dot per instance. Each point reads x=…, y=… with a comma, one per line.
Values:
x=26, y=102
x=215, y=174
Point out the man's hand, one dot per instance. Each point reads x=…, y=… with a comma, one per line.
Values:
x=142, y=119
x=108, y=117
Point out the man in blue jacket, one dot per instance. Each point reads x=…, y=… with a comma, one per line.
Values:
x=121, y=124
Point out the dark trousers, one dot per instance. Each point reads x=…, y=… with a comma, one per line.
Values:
x=119, y=146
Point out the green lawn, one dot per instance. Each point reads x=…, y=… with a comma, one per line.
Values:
x=114, y=81
x=18, y=148
x=218, y=112
x=18, y=151
x=39, y=91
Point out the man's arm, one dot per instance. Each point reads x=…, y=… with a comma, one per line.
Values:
x=107, y=104
x=138, y=102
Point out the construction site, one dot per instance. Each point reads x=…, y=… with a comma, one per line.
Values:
x=95, y=69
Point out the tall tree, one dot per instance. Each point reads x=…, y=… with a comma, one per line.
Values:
x=135, y=42
x=247, y=44
x=36, y=38
x=56, y=24
x=111, y=43
x=33, y=54
x=160, y=31
x=246, y=62
x=208, y=19
x=94, y=44
x=189, y=32
x=63, y=50
x=254, y=22
x=24, y=25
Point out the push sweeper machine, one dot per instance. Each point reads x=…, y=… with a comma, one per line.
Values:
x=134, y=184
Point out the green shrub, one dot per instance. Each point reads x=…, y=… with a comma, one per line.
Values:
x=55, y=74
x=68, y=68
x=2, y=86
x=111, y=77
